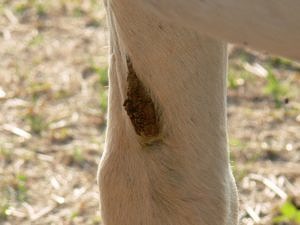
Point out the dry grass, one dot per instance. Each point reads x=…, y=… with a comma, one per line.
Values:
x=53, y=103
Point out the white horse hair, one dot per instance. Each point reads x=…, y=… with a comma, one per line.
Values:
x=166, y=158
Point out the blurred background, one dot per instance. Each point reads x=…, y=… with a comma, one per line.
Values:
x=53, y=100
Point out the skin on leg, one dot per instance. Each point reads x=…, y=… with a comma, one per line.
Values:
x=166, y=159
x=269, y=25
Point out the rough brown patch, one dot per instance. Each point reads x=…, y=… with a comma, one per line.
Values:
x=139, y=106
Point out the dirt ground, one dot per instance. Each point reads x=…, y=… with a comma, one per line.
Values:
x=53, y=89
